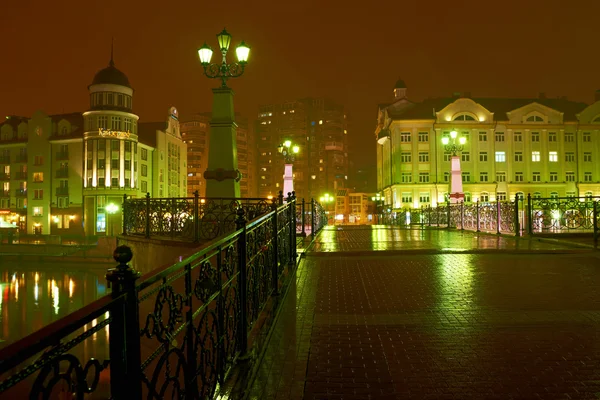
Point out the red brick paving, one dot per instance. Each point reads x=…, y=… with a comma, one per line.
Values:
x=438, y=326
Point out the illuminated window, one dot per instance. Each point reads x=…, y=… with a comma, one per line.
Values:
x=535, y=156
x=570, y=176
x=38, y=177
x=38, y=211
x=587, y=157
x=483, y=156
x=321, y=161
x=553, y=156
x=313, y=177
x=320, y=122
x=321, y=169
x=464, y=117
x=536, y=177
x=500, y=156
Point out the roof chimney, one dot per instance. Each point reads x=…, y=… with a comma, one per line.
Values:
x=542, y=95
x=597, y=98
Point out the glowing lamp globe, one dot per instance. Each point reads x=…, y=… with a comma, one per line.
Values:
x=296, y=149
x=224, y=39
x=205, y=54
x=445, y=140
x=453, y=134
x=287, y=143
x=242, y=52
x=462, y=140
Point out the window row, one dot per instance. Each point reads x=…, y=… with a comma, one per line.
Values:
x=424, y=177
x=110, y=99
x=406, y=137
x=114, y=123
x=499, y=156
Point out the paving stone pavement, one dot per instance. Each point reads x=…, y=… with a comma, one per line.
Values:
x=445, y=321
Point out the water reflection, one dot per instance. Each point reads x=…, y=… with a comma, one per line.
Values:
x=34, y=296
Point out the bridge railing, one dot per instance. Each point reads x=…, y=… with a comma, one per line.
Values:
x=176, y=332
x=530, y=215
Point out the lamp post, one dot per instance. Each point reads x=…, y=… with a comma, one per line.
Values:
x=289, y=152
x=326, y=199
x=455, y=145
x=222, y=175
x=377, y=199
x=110, y=210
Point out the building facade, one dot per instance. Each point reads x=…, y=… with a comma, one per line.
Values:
x=353, y=208
x=195, y=132
x=542, y=146
x=319, y=127
x=60, y=172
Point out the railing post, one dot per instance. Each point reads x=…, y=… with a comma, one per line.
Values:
x=448, y=207
x=595, y=219
x=124, y=210
x=196, y=216
x=173, y=213
x=191, y=391
x=148, y=215
x=240, y=223
x=291, y=203
x=303, y=223
x=429, y=216
x=312, y=218
x=275, y=261
x=280, y=197
x=437, y=211
x=517, y=224
x=124, y=329
x=498, y=217
x=477, y=213
x=530, y=215
x=462, y=215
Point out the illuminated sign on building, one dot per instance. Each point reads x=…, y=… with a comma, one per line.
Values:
x=117, y=134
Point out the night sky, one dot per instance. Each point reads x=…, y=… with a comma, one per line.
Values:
x=350, y=51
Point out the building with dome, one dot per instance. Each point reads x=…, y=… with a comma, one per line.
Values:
x=548, y=147
x=64, y=174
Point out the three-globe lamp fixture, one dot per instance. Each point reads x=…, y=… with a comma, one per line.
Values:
x=224, y=70
x=451, y=145
x=289, y=151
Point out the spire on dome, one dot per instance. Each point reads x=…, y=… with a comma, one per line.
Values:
x=112, y=46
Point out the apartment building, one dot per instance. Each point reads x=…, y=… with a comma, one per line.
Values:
x=548, y=147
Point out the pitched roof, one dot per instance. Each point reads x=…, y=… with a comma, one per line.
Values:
x=499, y=106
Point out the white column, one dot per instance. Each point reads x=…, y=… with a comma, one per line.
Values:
x=288, y=180
x=456, y=192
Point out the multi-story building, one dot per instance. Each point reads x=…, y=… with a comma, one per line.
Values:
x=319, y=127
x=195, y=132
x=353, y=208
x=61, y=171
x=548, y=147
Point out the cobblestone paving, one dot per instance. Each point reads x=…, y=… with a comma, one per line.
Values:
x=438, y=326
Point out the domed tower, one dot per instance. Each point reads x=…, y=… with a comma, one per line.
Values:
x=110, y=150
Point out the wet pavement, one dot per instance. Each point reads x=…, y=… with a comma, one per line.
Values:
x=459, y=316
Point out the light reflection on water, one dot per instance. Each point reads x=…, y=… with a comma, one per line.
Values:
x=33, y=296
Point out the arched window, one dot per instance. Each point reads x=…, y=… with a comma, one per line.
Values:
x=468, y=197
x=589, y=195
x=535, y=118
x=464, y=117
x=63, y=131
x=484, y=197
x=554, y=195
x=537, y=195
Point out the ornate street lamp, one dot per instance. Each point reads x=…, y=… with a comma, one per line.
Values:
x=110, y=210
x=288, y=151
x=378, y=199
x=454, y=146
x=222, y=175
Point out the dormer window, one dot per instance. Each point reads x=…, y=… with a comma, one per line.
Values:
x=534, y=118
x=464, y=117
x=63, y=131
x=596, y=121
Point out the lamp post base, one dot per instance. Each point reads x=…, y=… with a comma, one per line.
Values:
x=456, y=197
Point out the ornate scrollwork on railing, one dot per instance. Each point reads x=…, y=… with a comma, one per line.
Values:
x=488, y=217
x=507, y=216
x=562, y=214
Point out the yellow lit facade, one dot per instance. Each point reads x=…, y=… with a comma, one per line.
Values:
x=546, y=147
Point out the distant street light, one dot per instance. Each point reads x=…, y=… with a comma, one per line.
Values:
x=450, y=144
x=378, y=199
x=222, y=175
x=288, y=151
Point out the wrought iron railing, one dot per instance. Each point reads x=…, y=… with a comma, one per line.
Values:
x=176, y=333
x=529, y=215
x=305, y=223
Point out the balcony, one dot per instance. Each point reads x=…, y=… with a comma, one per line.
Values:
x=62, y=173
x=62, y=155
x=22, y=175
x=4, y=177
x=4, y=160
x=62, y=191
x=21, y=192
x=339, y=146
x=5, y=193
x=21, y=158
